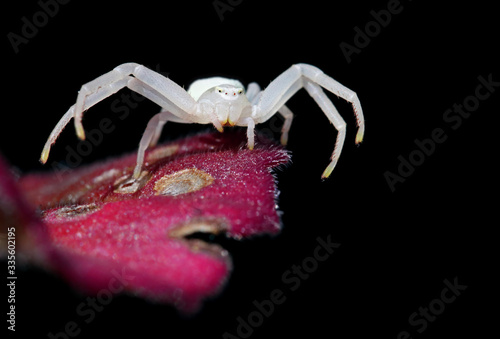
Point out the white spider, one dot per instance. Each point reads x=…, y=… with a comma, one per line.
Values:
x=217, y=101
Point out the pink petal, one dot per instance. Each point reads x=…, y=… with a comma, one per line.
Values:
x=115, y=236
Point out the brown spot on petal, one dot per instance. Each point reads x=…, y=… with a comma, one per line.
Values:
x=128, y=185
x=74, y=211
x=184, y=181
x=204, y=225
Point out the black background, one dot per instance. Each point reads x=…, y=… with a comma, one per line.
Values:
x=397, y=247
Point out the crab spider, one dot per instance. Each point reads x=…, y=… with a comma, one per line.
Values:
x=218, y=101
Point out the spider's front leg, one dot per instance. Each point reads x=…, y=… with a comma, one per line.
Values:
x=317, y=76
x=312, y=79
x=333, y=115
x=151, y=136
x=152, y=85
x=254, y=93
x=148, y=82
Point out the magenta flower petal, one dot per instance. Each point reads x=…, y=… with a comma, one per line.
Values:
x=19, y=221
x=116, y=234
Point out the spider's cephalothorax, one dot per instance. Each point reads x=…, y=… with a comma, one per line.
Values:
x=218, y=101
x=221, y=99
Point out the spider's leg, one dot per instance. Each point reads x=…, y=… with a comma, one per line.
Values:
x=152, y=132
x=157, y=133
x=55, y=133
x=164, y=118
x=277, y=94
x=148, y=134
x=250, y=125
x=252, y=92
x=113, y=81
x=90, y=100
x=333, y=115
x=169, y=91
x=170, y=112
x=320, y=78
x=289, y=82
x=288, y=115
x=100, y=88
x=144, y=81
x=284, y=88
x=175, y=113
